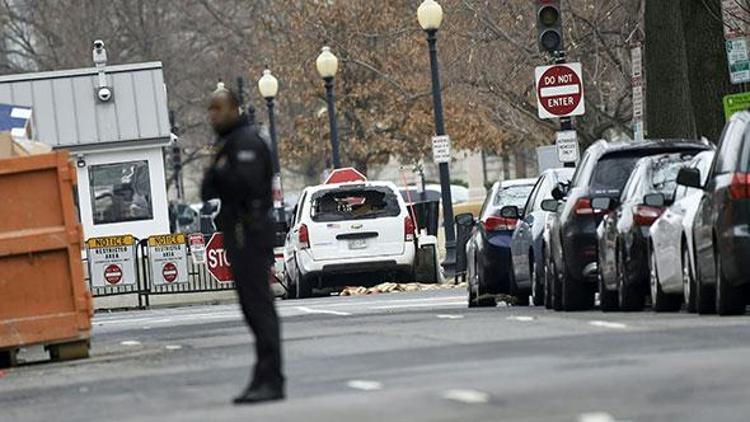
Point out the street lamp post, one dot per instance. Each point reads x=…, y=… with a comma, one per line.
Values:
x=268, y=86
x=430, y=16
x=328, y=65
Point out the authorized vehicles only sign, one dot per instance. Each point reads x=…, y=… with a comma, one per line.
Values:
x=167, y=255
x=112, y=260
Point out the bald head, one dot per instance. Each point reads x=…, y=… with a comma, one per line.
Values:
x=223, y=110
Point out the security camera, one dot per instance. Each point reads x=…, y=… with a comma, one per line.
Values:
x=104, y=94
x=98, y=44
x=99, y=54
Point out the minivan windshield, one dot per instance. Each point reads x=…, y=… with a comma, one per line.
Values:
x=354, y=204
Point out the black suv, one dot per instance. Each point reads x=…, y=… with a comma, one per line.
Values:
x=603, y=172
x=721, y=229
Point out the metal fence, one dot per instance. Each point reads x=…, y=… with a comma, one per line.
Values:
x=199, y=280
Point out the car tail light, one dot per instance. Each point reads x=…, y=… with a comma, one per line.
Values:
x=409, y=229
x=583, y=207
x=304, y=237
x=493, y=223
x=740, y=187
x=643, y=215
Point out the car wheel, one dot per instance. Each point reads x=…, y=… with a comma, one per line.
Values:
x=477, y=298
x=688, y=282
x=728, y=299
x=520, y=297
x=557, y=302
x=537, y=286
x=304, y=288
x=608, y=301
x=629, y=296
x=705, y=299
x=547, y=283
x=662, y=302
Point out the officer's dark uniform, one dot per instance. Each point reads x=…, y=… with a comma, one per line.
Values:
x=241, y=176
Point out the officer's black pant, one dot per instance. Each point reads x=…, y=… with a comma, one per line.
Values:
x=251, y=258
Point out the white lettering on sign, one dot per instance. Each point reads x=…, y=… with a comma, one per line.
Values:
x=218, y=258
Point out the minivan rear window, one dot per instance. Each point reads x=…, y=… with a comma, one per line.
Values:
x=354, y=204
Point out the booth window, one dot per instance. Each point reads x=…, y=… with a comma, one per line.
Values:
x=120, y=192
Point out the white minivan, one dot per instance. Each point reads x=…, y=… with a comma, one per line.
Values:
x=355, y=233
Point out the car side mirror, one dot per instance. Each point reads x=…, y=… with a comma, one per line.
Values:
x=690, y=178
x=185, y=220
x=466, y=219
x=550, y=205
x=655, y=200
x=603, y=203
x=510, y=211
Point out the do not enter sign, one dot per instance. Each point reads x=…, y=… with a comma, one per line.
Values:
x=559, y=91
x=113, y=274
x=218, y=263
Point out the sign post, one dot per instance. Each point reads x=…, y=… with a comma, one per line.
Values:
x=167, y=255
x=112, y=261
x=639, y=129
x=218, y=263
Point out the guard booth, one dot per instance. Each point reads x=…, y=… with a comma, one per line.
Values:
x=114, y=121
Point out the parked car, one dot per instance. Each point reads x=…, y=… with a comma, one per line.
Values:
x=353, y=232
x=624, y=236
x=528, y=246
x=672, y=250
x=603, y=171
x=722, y=224
x=488, y=250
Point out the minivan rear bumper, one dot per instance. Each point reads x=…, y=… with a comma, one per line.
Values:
x=402, y=262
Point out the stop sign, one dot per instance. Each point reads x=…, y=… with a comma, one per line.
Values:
x=217, y=260
x=559, y=91
x=345, y=175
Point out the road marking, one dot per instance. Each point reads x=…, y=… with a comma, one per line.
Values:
x=467, y=396
x=596, y=417
x=421, y=305
x=130, y=343
x=365, y=385
x=449, y=316
x=321, y=311
x=521, y=318
x=173, y=347
x=607, y=324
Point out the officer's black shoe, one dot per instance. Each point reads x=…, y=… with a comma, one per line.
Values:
x=259, y=394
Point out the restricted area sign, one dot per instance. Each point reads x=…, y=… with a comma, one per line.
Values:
x=167, y=255
x=567, y=146
x=441, y=149
x=197, y=244
x=559, y=91
x=218, y=262
x=111, y=260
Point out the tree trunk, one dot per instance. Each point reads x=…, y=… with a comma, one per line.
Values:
x=668, y=101
x=708, y=72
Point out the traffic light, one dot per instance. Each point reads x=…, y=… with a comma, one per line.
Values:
x=549, y=25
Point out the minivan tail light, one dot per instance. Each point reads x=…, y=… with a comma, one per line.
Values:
x=304, y=237
x=494, y=223
x=409, y=229
x=644, y=215
x=740, y=187
x=583, y=207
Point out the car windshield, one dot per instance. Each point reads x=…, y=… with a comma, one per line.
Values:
x=354, y=204
x=512, y=195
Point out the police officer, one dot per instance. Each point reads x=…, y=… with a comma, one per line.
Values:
x=240, y=175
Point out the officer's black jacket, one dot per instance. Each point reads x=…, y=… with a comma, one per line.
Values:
x=240, y=175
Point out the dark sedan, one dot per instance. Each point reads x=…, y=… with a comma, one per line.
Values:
x=721, y=230
x=528, y=246
x=488, y=250
x=624, y=237
x=603, y=171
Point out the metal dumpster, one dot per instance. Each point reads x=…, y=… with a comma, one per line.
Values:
x=43, y=297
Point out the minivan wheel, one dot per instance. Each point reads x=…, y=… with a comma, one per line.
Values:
x=304, y=288
x=728, y=299
x=688, y=282
x=662, y=302
x=629, y=296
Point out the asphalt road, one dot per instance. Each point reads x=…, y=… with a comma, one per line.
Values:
x=400, y=357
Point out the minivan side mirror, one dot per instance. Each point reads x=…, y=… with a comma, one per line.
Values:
x=558, y=192
x=603, y=203
x=550, y=205
x=655, y=200
x=689, y=177
x=510, y=211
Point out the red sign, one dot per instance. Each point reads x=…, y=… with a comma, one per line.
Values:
x=345, y=175
x=169, y=271
x=113, y=274
x=559, y=91
x=218, y=262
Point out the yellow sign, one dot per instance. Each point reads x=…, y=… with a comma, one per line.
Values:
x=110, y=242
x=167, y=239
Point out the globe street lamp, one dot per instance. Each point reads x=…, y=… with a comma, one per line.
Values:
x=430, y=16
x=328, y=65
x=268, y=86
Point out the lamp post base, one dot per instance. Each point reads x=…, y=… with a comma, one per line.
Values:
x=449, y=263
